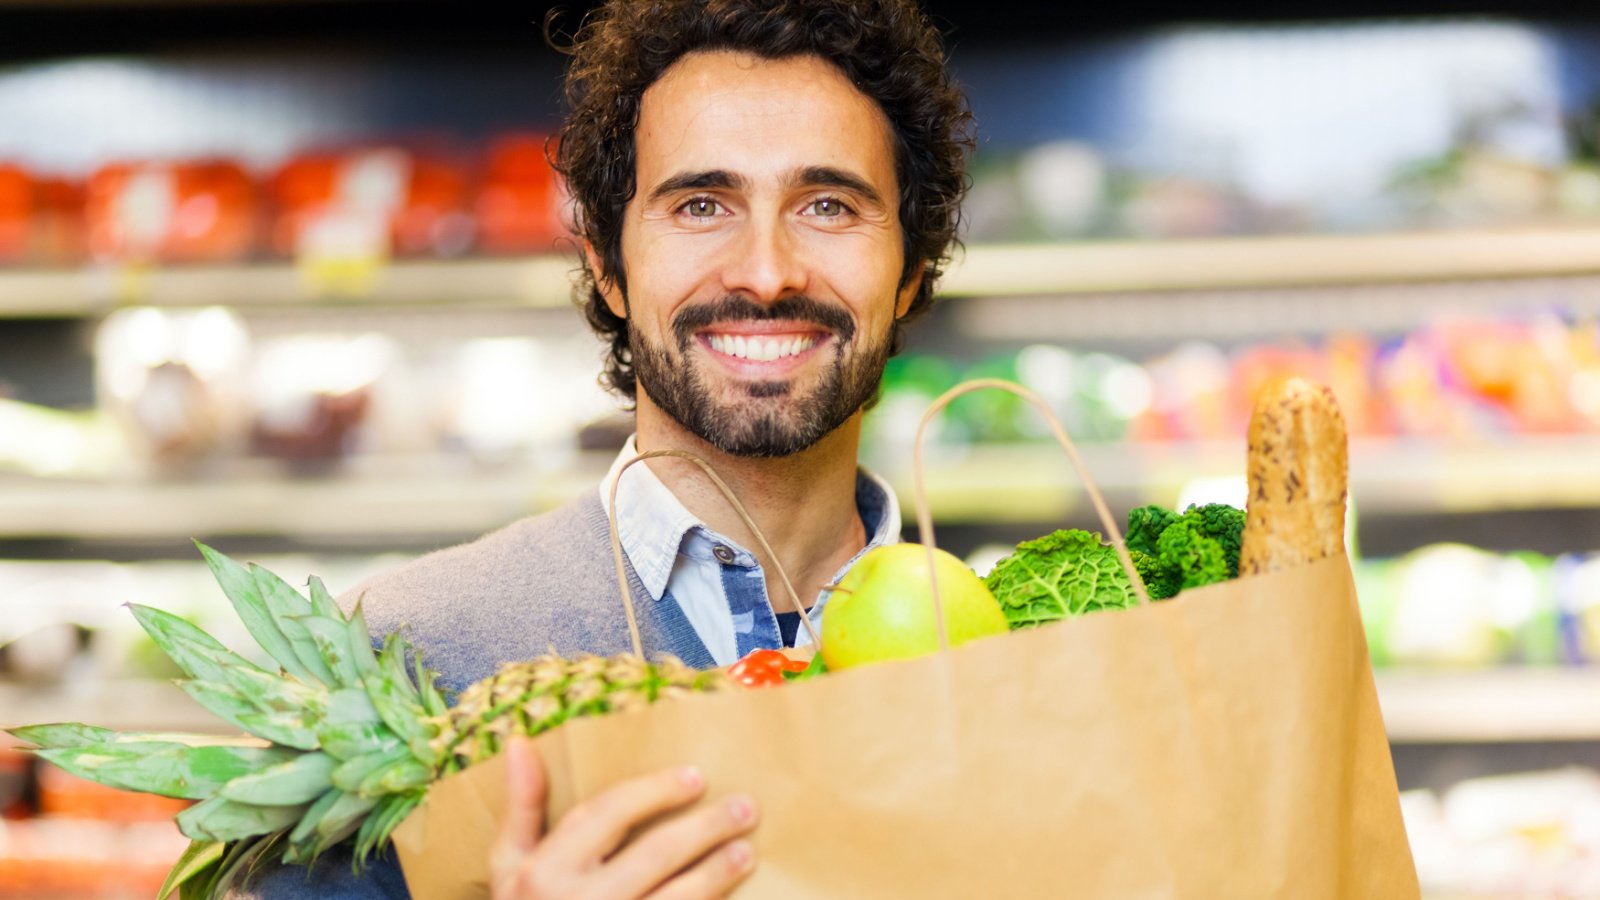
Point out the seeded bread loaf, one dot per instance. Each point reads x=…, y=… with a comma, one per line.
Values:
x=1298, y=469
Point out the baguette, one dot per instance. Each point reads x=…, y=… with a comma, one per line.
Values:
x=1298, y=469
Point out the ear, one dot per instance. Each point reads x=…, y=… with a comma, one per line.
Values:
x=908, y=293
x=606, y=285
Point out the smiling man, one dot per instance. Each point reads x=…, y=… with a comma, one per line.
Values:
x=766, y=192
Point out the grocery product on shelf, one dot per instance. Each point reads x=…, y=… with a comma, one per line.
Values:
x=204, y=210
x=16, y=209
x=519, y=205
x=311, y=395
x=81, y=839
x=1533, y=834
x=41, y=218
x=38, y=440
x=1450, y=605
x=175, y=383
x=1459, y=378
x=368, y=203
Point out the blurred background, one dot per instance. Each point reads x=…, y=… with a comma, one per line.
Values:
x=290, y=278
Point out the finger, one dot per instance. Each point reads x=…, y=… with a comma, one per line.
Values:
x=522, y=824
x=714, y=876
x=595, y=829
x=665, y=849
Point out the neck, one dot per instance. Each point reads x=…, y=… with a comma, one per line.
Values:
x=804, y=504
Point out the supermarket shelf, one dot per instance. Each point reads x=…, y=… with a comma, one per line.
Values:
x=386, y=500
x=1277, y=261
x=982, y=270
x=1492, y=705
x=540, y=281
x=378, y=500
x=126, y=705
x=1496, y=705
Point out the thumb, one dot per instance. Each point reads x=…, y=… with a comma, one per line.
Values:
x=522, y=825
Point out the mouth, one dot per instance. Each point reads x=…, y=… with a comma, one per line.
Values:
x=766, y=349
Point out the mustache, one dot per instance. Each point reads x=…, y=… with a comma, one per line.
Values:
x=741, y=309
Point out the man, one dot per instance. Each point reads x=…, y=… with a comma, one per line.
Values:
x=766, y=191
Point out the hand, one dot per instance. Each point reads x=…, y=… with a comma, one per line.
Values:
x=699, y=854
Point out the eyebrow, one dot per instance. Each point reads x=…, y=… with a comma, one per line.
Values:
x=808, y=176
x=695, y=181
x=827, y=176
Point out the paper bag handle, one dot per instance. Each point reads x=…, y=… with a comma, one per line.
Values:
x=925, y=515
x=744, y=516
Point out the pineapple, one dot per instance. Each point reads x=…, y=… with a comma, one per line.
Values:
x=345, y=741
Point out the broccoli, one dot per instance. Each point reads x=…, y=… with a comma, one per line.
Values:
x=1145, y=524
x=1066, y=573
x=1173, y=551
x=1160, y=580
x=1223, y=524
x=1190, y=556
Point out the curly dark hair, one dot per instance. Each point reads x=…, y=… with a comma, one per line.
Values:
x=887, y=48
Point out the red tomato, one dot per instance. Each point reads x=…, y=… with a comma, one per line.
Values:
x=761, y=668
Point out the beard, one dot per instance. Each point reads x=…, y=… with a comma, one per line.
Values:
x=767, y=418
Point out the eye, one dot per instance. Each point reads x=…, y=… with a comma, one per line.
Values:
x=827, y=208
x=701, y=208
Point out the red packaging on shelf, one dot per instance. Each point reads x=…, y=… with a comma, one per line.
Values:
x=41, y=219
x=371, y=203
x=200, y=211
x=16, y=208
x=521, y=203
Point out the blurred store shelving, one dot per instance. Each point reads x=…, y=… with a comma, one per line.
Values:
x=284, y=277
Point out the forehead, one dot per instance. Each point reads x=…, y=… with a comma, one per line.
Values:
x=753, y=116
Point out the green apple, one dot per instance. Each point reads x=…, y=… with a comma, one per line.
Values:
x=883, y=607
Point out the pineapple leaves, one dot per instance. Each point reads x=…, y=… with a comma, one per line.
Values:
x=198, y=654
x=322, y=602
x=168, y=769
x=332, y=819
x=351, y=773
x=290, y=728
x=402, y=775
x=350, y=734
x=221, y=819
x=341, y=820
x=245, y=594
x=361, y=644
x=269, y=693
x=73, y=734
x=432, y=700
x=290, y=610
x=391, y=811
x=66, y=734
x=332, y=640
x=242, y=859
x=352, y=726
x=299, y=837
x=396, y=698
x=195, y=863
x=300, y=780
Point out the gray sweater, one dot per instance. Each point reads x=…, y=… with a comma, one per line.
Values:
x=544, y=581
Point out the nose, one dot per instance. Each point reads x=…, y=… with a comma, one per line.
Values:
x=765, y=264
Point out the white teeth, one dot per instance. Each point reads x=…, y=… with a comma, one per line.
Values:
x=760, y=349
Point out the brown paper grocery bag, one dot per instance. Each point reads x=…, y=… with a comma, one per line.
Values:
x=1223, y=744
